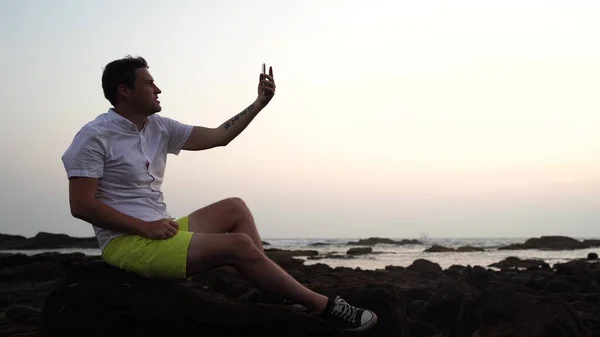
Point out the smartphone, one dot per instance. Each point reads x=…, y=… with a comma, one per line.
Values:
x=264, y=68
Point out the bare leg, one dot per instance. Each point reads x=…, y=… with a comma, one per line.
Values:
x=208, y=251
x=225, y=234
x=225, y=216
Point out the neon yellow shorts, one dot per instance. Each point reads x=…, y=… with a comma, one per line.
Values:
x=156, y=259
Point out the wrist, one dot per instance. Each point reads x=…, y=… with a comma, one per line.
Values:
x=261, y=102
x=138, y=227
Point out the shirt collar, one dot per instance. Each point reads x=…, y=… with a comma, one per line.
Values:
x=123, y=122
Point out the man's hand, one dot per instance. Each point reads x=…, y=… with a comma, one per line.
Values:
x=160, y=229
x=203, y=138
x=266, y=87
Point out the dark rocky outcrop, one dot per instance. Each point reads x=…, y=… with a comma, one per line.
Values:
x=359, y=250
x=592, y=242
x=9, y=238
x=461, y=249
x=69, y=294
x=349, y=254
x=45, y=240
x=374, y=240
x=438, y=249
x=512, y=262
x=552, y=243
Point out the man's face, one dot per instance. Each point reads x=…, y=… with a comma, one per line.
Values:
x=144, y=96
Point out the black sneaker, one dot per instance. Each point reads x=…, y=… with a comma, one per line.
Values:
x=348, y=317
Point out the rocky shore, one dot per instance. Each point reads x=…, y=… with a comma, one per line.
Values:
x=76, y=295
x=542, y=243
x=45, y=240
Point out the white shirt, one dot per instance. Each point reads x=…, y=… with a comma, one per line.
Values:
x=130, y=164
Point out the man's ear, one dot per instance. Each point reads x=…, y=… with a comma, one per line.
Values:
x=124, y=91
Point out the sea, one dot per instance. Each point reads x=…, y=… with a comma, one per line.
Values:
x=402, y=255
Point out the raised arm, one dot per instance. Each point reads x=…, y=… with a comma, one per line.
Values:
x=203, y=138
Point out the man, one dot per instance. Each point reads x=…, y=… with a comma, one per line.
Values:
x=115, y=166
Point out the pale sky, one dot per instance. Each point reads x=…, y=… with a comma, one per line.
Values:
x=391, y=118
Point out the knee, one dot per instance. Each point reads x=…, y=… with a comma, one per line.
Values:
x=237, y=206
x=236, y=203
x=243, y=248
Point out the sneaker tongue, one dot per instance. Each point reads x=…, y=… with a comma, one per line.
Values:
x=342, y=309
x=331, y=303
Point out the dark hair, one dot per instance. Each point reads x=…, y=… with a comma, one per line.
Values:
x=120, y=72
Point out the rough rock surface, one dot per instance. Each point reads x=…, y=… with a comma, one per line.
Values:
x=45, y=240
x=512, y=262
x=461, y=249
x=359, y=250
x=552, y=243
x=76, y=295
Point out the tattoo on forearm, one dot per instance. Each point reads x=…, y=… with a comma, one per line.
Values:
x=237, y=117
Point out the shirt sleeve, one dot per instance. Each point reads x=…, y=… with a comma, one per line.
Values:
x=178, y=134
x=85, y=156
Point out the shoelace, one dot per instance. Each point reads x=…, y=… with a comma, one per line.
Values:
x=344, y=310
